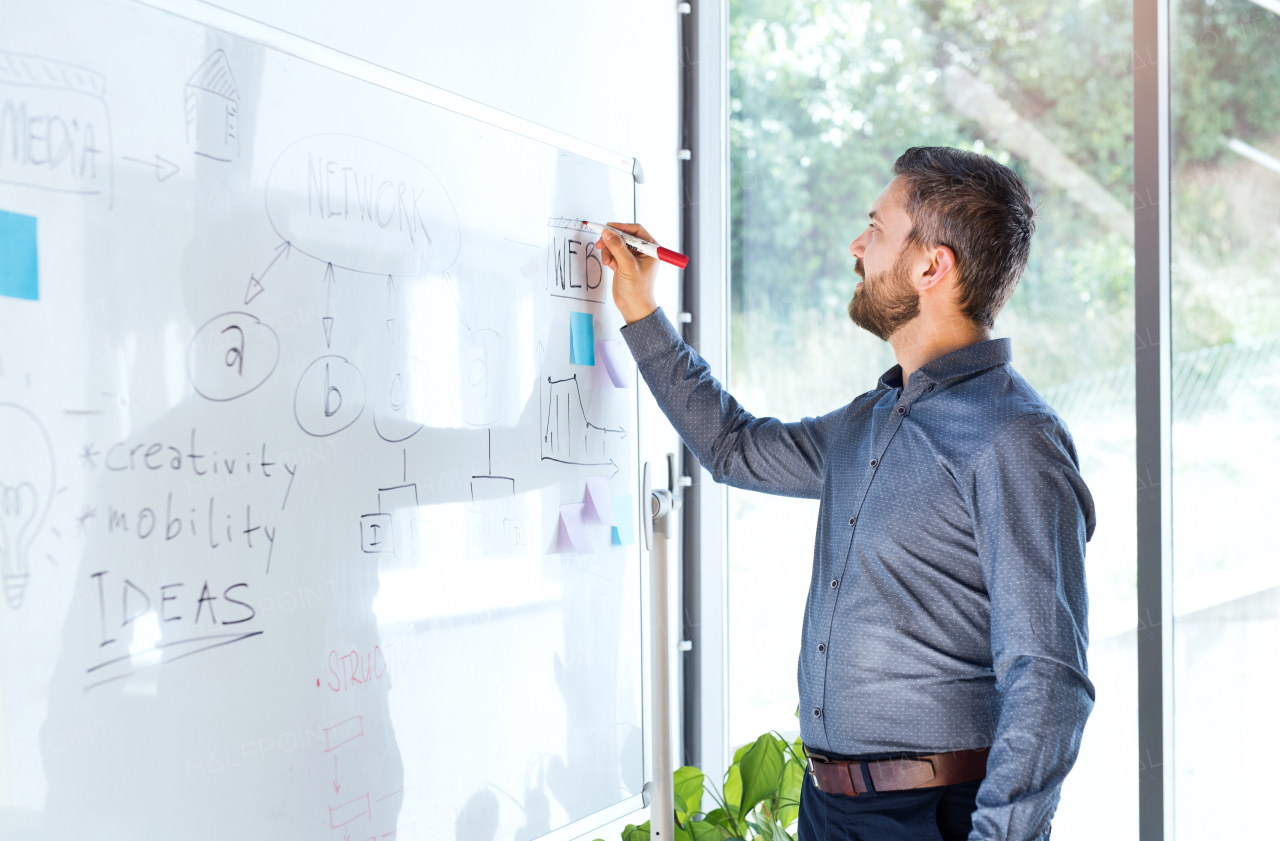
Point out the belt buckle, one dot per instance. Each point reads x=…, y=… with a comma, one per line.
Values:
x=813, y=759
x=822, y=760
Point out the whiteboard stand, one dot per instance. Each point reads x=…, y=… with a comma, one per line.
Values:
x=657, y=534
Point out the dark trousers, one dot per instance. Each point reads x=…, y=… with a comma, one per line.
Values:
x=944, y=813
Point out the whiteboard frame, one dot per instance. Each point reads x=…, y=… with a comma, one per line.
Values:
x=287, y=43
x=310, y=51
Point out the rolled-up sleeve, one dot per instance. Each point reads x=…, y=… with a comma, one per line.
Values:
x=1032, y=516
x=738, y=449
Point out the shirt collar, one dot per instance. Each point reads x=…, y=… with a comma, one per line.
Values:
x=959, y=363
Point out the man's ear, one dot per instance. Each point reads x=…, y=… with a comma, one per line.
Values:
x=942, y=265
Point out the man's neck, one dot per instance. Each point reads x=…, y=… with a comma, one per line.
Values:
x=921, y=341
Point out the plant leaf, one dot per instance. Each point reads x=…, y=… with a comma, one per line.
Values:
x=792, y=780
x=719, y=817
x=733, y=790
x=688, y=786
x=636, y=833
x=789, y=793
x=761, y=773
x=705, y=831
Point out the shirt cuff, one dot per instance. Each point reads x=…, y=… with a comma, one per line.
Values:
x=651, y=336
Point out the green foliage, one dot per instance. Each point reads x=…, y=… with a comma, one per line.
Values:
x=761, y=771
x=688, y=799
x=825, y=94
x=760, y=797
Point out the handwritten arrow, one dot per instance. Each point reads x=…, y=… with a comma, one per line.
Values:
x=164, y=169
x=328, y=295
x=609, y=463
x=336, y=787
x=391, y=308
x=255, y=288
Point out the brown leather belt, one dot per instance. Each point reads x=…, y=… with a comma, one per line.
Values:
x=852, y=777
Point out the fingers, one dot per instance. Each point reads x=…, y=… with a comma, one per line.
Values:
x=618, y=257
x=605, y=256
x=634, y=230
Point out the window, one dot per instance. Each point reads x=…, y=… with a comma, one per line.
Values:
x=823, y=98
x=1225, y=226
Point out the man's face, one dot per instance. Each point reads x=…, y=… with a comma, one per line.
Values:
x=886, y=298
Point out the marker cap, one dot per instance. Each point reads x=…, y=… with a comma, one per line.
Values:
x=675, y=258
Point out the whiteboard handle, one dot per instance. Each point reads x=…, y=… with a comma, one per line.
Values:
x=658, y=524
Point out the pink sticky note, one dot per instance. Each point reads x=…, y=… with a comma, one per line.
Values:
x=573, y=530
x=599, y=507
x=617, y=361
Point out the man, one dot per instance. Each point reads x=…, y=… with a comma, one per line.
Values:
x=943, y=682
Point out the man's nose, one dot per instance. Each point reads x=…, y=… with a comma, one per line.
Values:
x=858, y=247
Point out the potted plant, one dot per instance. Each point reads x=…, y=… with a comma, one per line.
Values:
x=759, y=798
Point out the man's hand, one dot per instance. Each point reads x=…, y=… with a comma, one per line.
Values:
x=633, y=273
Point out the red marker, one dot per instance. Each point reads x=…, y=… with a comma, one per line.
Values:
x=652, y=249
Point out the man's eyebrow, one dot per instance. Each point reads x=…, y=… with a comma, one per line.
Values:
x=872, y=214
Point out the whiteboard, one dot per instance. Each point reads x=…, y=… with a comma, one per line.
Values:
x=317, y=522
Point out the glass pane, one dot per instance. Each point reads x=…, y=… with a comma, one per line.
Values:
x=1226, y=392
x=824, y=97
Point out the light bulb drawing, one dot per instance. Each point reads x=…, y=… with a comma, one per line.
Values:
x=26, y=494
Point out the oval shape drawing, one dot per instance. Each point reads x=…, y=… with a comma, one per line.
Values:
x=403, y=401
x=486, y=381
x=362, y=206
x=231, y=355
x=330, y=396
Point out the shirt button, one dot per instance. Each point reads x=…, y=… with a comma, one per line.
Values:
x=822, y=647
x=853, y=520
x=930, y=388
x=835, y=582
x=817, y=713
x=902, y=410
x=874, y=462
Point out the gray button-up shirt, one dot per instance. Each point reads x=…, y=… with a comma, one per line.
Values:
x=947, y=608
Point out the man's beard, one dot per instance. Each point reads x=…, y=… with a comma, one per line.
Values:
x=886, y=301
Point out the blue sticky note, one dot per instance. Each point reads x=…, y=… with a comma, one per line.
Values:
x=19, y=269
x=623, y=533
x=582, y=339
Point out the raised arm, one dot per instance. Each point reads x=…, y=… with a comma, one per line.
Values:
x=738, y=449
x=1032, y=515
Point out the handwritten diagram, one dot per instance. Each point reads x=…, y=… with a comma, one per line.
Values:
x=486, y=381
x=363, y=207
x=231, y=355
x=568, y=435
x=575, y=269
x=27, y=487
x=211, y=103
x=497, y=523
x=207, y=609
x=330, y=396
x=199, y=515
x=57, y=129
x=403, y=400
x=391, y=527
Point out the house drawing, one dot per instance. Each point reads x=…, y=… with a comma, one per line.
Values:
x=212, y=107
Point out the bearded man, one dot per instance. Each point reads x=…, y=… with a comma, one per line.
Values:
x=943, y=678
